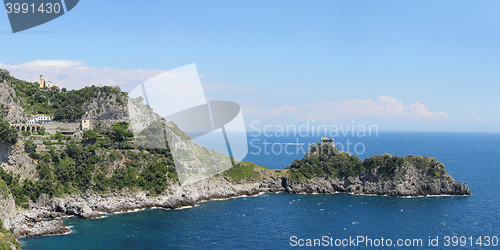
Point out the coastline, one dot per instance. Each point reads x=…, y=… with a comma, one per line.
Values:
x=44, y=217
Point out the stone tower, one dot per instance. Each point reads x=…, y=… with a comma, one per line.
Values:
x=326, y=140
x=85, y=123
x=41, y=82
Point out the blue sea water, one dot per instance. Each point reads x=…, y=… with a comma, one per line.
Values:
x=271, y=221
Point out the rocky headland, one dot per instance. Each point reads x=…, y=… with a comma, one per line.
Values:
x=44, y=216
x=105, y=172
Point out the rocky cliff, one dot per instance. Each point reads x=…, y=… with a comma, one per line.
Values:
x=8, y=209
x=107, y=108
x=329, y=170
x=9, y=102
x=318, y=172
x=14, y=159
x=44, y=217
x=412, y=186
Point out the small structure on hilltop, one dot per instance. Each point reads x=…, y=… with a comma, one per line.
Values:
x=326, y=140
x=85, y=123
x=44, y=84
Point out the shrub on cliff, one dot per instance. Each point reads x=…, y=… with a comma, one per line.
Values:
x=90, y=135
x=7, y=239
x=243, y=171
x=326, y=161
x=29, y=146
x=7, y=134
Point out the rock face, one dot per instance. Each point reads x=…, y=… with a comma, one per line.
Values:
x=411, y=187
x=44, y=216
x=8, y=99
x=107, y=109
x=140, y=116
x=14, y=158
x=7, y=207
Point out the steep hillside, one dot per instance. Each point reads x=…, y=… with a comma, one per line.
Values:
x=63, y=105
x=10, y=108
x=126, y=148
x=123, y=162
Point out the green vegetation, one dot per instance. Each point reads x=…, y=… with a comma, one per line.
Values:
x=108, y=161
x=108, y=158
x=27, y=190
x=4, y=189
x=29, y=146
x=244, y=171
x=7, y=134
x=90, y=135
x=7, y=239
x=41, y=131
x=326, y=161
x=121, y=132
x=429, y=165
x=65, y=106
x=385, y=163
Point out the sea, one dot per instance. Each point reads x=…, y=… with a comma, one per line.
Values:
x=282, y=220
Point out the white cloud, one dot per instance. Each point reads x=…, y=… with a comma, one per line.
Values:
x=471, y=116
x=75, y=75
x=281, y=110
x=222, y=87
x=53, y=63
x=383, y=107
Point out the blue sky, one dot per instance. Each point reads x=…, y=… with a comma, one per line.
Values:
x=402, y=65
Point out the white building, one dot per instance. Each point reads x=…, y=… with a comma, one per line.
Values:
x=44, y=119
x=85, y=123
x=39, y=119
x=33, y=121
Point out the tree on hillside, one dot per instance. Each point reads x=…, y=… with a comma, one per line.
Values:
x=4, y=74
x=29, y=146
x=121, y=131
x=41, y=131
x=59, y=136
x=7, y=134
x=90, y=135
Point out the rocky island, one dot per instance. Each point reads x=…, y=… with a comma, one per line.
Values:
x=50, y=172
x=326, y=169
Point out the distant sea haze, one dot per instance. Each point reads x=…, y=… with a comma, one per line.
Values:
x=270, y=221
